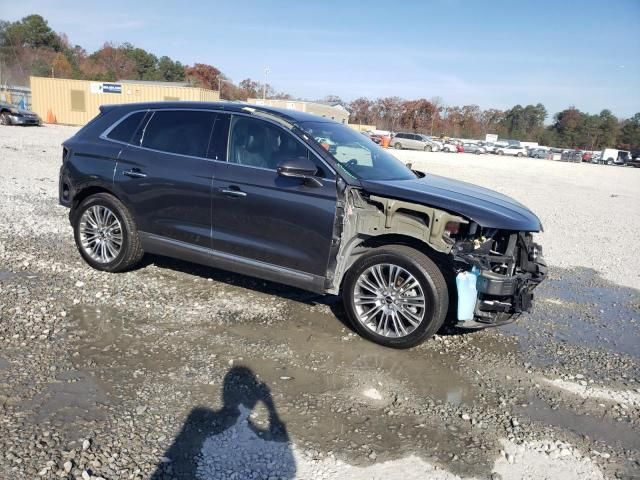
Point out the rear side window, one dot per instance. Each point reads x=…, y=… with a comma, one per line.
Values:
x=123, y=132
x=183, y=132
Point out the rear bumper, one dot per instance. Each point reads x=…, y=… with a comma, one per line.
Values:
x=502, y=298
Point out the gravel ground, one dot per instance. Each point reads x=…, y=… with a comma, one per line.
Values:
x=181, y=371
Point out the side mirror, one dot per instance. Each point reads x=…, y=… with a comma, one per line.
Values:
x=299, y=167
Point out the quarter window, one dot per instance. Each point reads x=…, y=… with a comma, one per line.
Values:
x=256, y=143
x=123, y=132
x=183, y=132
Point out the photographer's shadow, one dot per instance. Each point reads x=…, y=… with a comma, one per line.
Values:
x=216, y=444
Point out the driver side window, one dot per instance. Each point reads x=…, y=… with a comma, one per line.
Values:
x=256, y=143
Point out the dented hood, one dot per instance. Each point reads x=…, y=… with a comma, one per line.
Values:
x=488, y=208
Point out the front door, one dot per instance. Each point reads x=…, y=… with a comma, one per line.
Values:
x=165, y=177
x=262, y=216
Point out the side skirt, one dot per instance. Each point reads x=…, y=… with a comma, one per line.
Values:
x=169, y=247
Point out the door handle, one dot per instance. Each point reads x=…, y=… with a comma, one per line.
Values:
x=134, y=173
x=233, y=192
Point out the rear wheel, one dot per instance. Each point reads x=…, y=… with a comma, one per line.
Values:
x=397, y=146
x=519, y=154
x=610, y=161
x=428, y=148
x=395, y=296
x=500, y=152
x=4, y=118
x=106, y=234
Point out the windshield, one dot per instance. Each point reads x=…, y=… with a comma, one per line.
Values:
x=356, y=154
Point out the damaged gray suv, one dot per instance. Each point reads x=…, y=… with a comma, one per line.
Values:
x=297, y=199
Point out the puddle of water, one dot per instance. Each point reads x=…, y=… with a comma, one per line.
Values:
x=580, y=308
x=596, y=428
x=316, y=340
x=69, y=403
x=9, y=275
x=317, y=372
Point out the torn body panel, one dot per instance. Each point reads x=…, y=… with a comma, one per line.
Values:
x=509, y=264
x=365, y=217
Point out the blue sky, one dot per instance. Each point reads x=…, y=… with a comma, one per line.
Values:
x=491, y=53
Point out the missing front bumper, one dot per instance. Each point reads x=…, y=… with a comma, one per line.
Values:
x=502, y=298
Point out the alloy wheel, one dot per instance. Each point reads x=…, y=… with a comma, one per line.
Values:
x=389, y=300
x=100, y=234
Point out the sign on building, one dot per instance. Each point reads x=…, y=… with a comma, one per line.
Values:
x=491, y=138
x=105, y=87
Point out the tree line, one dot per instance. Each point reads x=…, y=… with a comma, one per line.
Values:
x=30, y=47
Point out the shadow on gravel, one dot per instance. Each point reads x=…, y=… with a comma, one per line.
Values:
x=226, y=443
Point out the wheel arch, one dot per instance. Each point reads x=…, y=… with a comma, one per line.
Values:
x=361, y=245
x=88, y=191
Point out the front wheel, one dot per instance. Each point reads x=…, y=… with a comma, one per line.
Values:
x=500, y=152
x=428, y=148
x=106, y=234
x=398, y=146
x=395, y=296
x=519, y=154
x=4, y=119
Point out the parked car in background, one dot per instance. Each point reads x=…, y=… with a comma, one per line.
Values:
x=513, y=150
x=473, y=148
x=613, y=156
x=236, y=188
x=489, y=147
x=452, y=147
x=538, y=152
x=10, y=115
x=413, y=141
x=571, y=156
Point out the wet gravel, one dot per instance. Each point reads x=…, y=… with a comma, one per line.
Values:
x=180, y=371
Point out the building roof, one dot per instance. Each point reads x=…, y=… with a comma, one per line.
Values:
x=156, y=82
x=291, y=116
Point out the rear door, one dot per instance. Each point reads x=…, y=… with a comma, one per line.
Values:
x=164, y=175
x=416, y=141
x=259, y=215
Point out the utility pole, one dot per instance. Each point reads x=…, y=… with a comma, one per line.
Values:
x=264, y=86
x=220, y=82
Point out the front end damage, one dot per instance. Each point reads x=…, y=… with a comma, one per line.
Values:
x=508, y=265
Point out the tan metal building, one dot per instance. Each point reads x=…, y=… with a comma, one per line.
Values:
x=75, y=102
x=337, y=113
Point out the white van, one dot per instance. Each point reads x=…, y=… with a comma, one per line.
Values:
x=613, y=156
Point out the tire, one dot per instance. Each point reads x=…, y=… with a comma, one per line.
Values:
x=500, y=152
x=4, y=119
x=428, y=148
x=519, y=154
x=130, y=251
x=431, y=283
x=610, y=161
x=478, y=152
x=397, y=146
